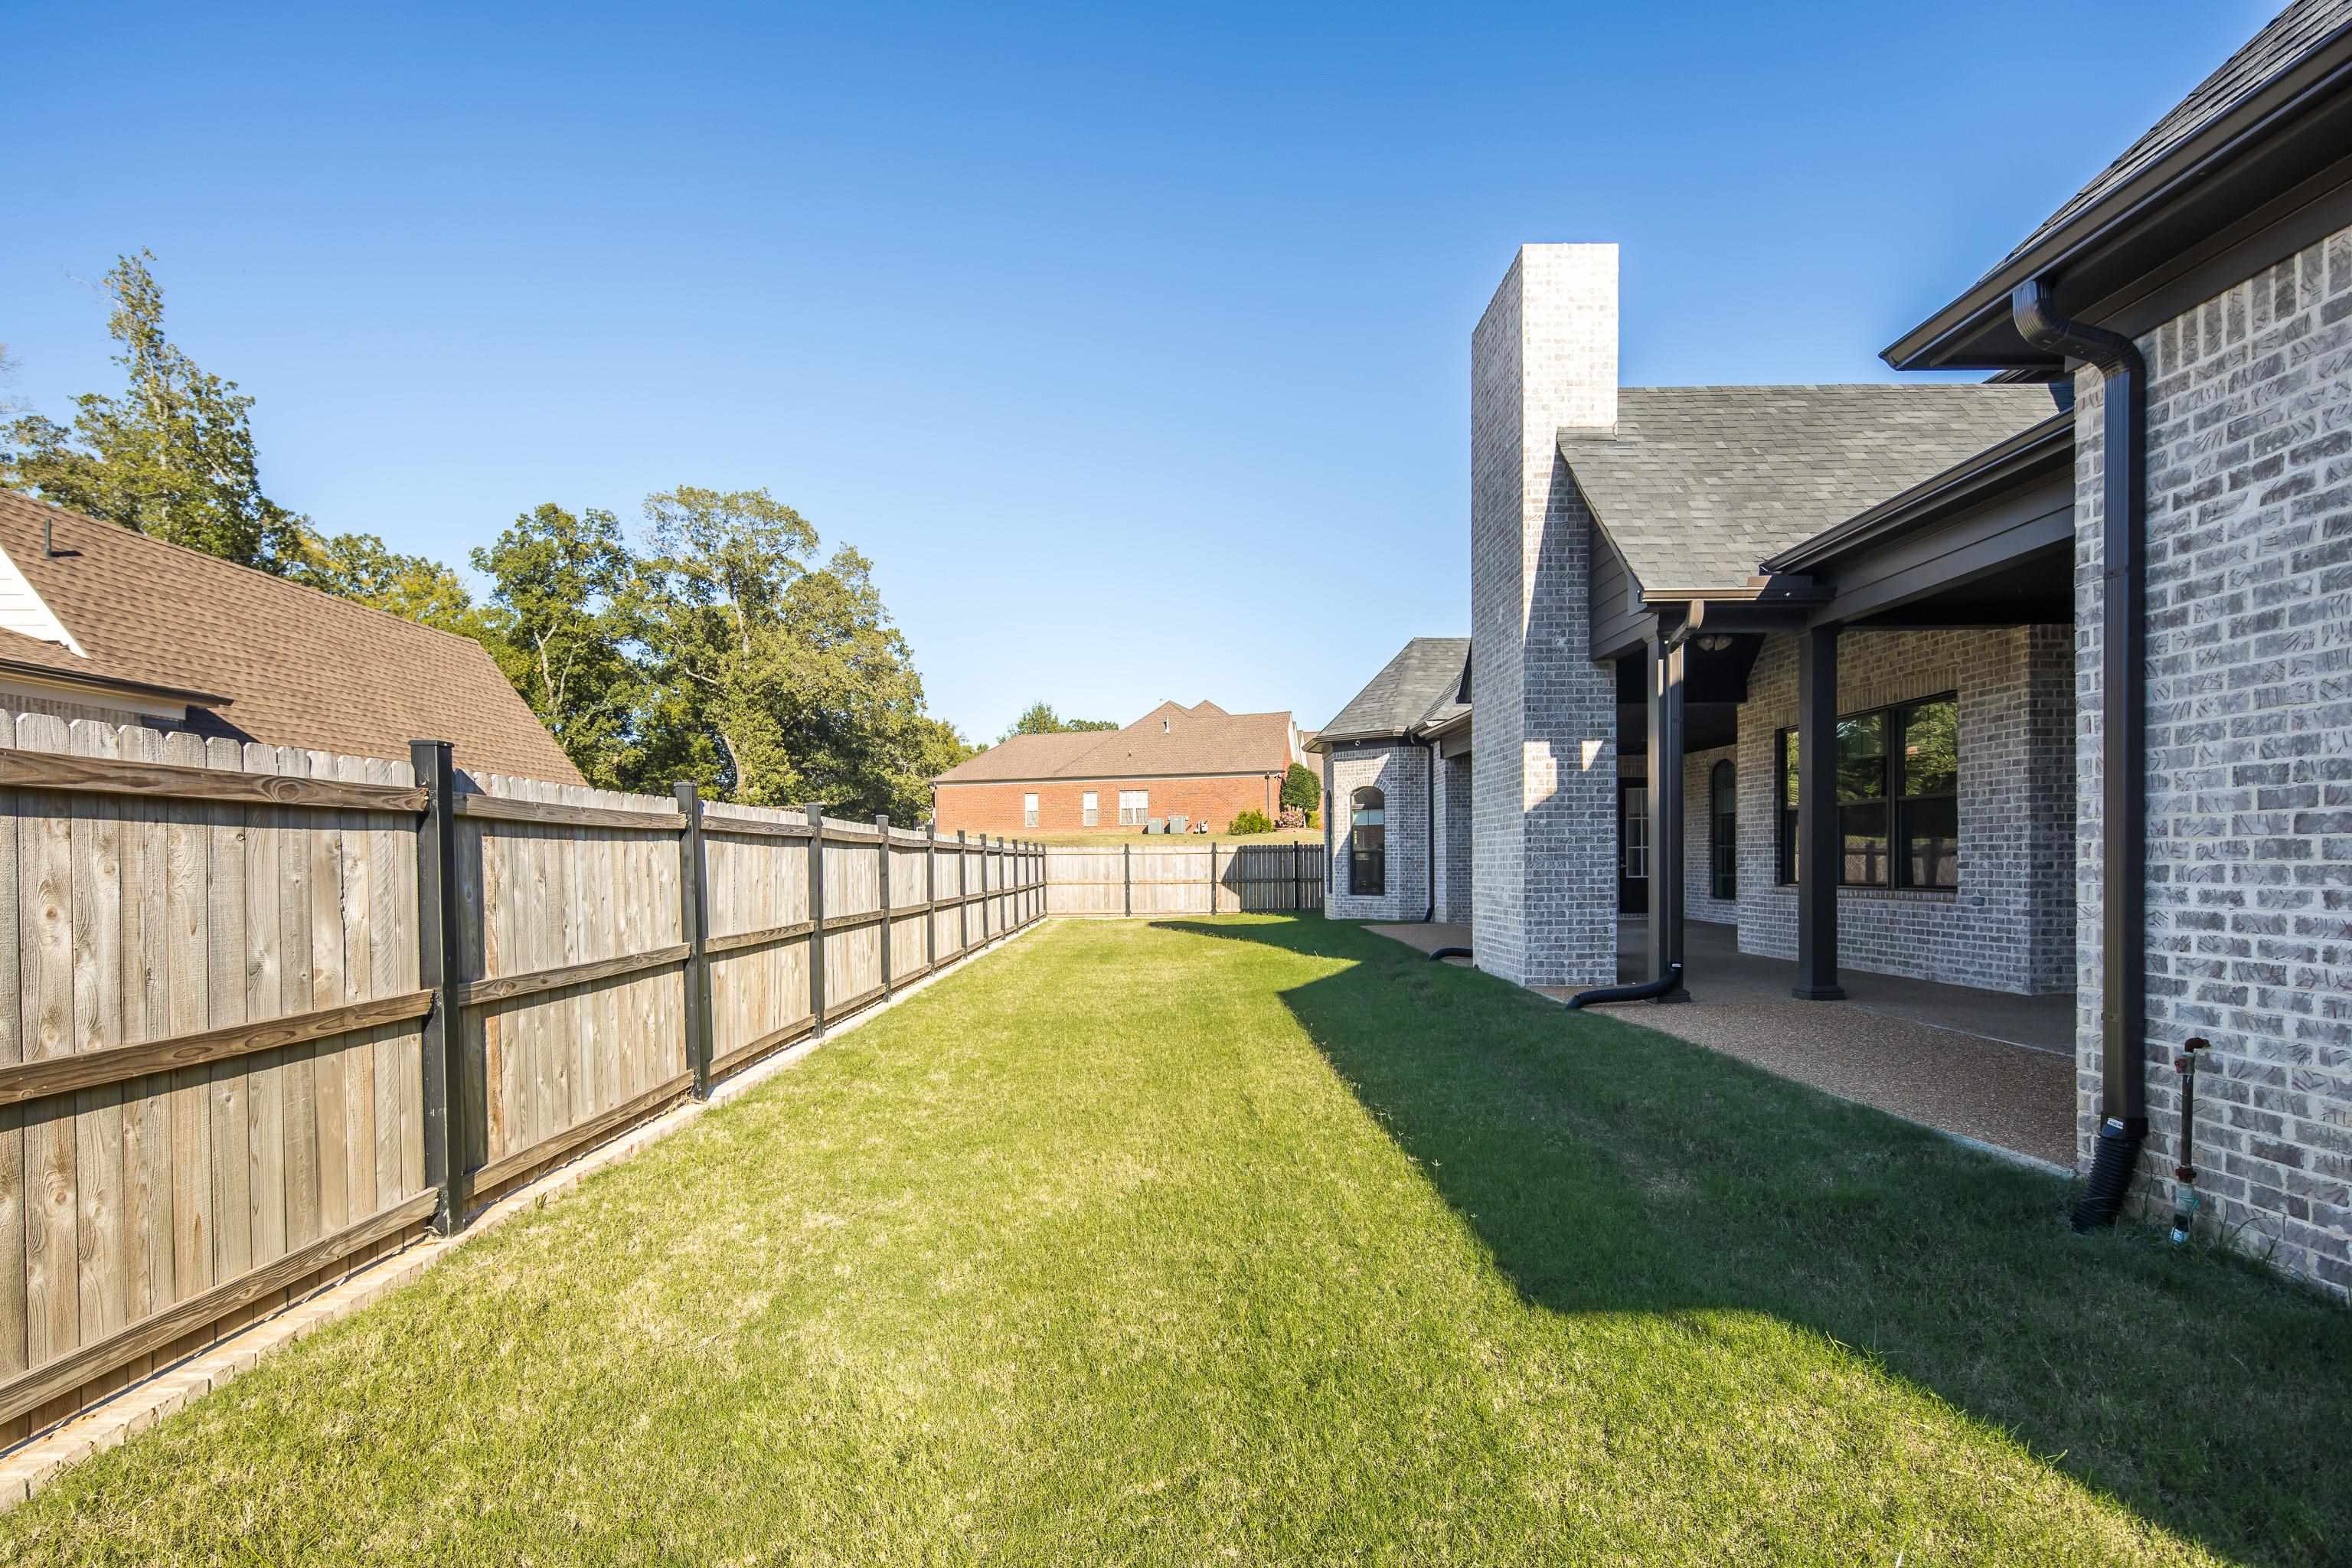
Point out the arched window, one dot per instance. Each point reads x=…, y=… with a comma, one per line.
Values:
x=1368, y=847
x=1723, y=831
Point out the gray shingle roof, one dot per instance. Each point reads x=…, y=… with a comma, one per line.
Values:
x=1697, y=484
x=2293, y=33
x=1424, y=675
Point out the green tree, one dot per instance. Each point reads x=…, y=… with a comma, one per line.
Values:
x=173, y=456
x=359, y=567
x=1039, y=719
x=563, y=622
x=776, y=681
x=1301, y=788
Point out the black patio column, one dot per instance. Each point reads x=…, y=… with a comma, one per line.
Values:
x=1820, y=848
x=1662, y=668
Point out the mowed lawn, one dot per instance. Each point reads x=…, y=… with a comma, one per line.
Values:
x=1263, y=1240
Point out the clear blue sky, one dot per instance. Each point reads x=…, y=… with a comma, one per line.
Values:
x=1132, y=347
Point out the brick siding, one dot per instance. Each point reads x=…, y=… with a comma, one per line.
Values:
x=2008, y=924
x=1401, y=775
x=1543, y=717
x=995, y=808
x=2249, y=753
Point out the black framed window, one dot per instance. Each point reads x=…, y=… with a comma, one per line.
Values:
x=1784, y=774
x=1898, y=774
x=1723, y=831
x=1368, y=851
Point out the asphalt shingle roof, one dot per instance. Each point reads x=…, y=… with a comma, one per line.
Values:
x=1171, y=739
x=298, y=666
x=1697, y=485
x=2291, y=34
x=1420, y=679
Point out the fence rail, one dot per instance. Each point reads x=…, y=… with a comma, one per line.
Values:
x=277, y=1009
x=1203, y=878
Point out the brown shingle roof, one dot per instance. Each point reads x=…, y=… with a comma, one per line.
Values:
x=1200, y=739
x=300, y=668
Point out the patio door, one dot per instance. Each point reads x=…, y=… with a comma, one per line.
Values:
x=1633, y=847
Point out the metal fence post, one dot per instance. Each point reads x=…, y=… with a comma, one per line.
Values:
x=1127, y=878
x=882, y=826
x=1212, y=876
x=440, y=970
x=694, y=930
x=817, y=914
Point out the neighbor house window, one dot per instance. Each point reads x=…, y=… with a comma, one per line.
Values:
x=1898, y=774
x=1134, y=807
x=1089, y=808
x=1723, y=831
x=1028, y=811
x=1367, y=849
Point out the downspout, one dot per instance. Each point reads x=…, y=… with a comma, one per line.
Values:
x=2123, y=747
x=1430, y=812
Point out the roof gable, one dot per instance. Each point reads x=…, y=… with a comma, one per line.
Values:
x=1171, y=739
x=1695, y=486
x=1426, y=677
x=298, y=668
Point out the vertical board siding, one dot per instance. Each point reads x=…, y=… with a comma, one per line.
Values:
x=1148, y=880
x=137, y=918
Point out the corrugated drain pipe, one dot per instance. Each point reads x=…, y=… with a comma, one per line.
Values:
x=2123, y=750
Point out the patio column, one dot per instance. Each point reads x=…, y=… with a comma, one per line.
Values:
x=1663, y=660
x=1819, y=853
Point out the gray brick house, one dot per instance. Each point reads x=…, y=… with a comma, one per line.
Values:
x=2039, y=685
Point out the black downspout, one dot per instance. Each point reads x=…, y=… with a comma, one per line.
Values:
x=2123, y=748
x=1431, y=812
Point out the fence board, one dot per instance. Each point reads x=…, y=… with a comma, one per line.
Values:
x=1146, y=879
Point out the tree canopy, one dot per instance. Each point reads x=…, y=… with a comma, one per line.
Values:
x=724, y=648
x=1039, y=719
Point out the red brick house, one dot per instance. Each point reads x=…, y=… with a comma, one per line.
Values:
x=1201, y=762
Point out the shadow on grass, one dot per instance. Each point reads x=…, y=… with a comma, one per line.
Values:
x=1611, y=1168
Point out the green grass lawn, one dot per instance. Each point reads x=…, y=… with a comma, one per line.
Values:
x=1263, y=1240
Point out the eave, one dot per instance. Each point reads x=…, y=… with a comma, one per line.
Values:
x=2274, y=162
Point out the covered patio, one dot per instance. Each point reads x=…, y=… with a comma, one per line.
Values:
x=1987, y=1066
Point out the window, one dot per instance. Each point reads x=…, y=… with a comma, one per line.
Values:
x=1368, y=851
x=1784, y=768
x=1898, y=773
x=1089, y=808
x=1028, y=811
x=1134, y=807
x=1635, y=849
x=1723, y=831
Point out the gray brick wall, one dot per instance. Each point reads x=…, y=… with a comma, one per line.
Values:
x=1699, y=903
x=2008, y=925
x=1453, y=866
x=2249, y=753
x=1401, y=775
x=1543, y=880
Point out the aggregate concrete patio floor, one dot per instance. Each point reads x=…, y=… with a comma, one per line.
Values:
x=1985, y=1064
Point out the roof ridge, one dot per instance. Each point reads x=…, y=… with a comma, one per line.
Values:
x=145, y=537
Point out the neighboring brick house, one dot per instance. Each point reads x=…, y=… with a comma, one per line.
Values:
x=100, y=622
x=1832, y=663
x=1201, y=764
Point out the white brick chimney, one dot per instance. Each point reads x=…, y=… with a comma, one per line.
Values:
x=1544, y=721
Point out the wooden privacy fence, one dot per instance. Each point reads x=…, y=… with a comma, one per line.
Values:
x=277, y=1010
x=1202, y=879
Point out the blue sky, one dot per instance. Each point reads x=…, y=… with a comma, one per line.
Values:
x=1131, y=345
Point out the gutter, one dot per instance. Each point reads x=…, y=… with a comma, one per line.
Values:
x=2304, y=87
x=2123, y=739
